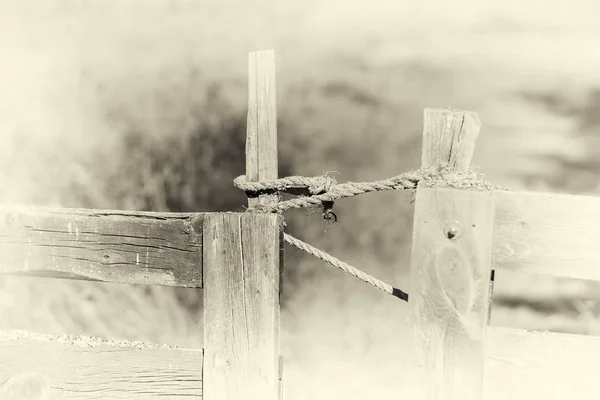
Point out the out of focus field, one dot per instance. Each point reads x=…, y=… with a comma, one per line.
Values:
x=141, y=106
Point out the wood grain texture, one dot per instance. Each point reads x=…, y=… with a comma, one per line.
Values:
x=48, y=367
x=261, y=138
x=523, y=365
x=241, y=306
x=450, y=274
x=450, y=266
x=449, y=136
x=110, y=246
x=555, y=234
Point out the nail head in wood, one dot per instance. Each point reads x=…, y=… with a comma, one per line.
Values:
x=452, y=230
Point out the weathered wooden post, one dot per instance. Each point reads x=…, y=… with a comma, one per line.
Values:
x=242, y=261
x=450, y=270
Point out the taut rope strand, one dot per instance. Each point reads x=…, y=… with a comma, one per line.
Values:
x=345, y=267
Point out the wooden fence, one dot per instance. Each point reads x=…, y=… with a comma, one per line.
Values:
x=460, y=236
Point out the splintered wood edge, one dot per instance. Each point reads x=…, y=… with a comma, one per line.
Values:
x=449, y=136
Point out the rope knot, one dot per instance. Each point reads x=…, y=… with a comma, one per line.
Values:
x=298, y=185
x=321, y=191
x=320, y=184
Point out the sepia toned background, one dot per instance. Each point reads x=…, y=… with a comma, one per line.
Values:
x=140, y=105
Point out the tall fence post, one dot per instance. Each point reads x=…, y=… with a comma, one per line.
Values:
x=450, y=269
x=242, y=267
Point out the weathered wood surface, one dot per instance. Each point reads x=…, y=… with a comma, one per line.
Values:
x=241, y=306
x=450, y=289
x=101, y=245
x=523, y=365
x=261, y=138
x=45, y=367
x=449, y=136
x=450, y=267
x=243, y=255
x=555, y=234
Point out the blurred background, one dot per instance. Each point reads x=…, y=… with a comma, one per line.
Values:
x=141, y=105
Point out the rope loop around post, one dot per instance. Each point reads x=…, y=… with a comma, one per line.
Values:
x=321, y=191
x=314, y=191
x=314, y=185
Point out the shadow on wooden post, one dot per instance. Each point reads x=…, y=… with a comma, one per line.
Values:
x=450, y=272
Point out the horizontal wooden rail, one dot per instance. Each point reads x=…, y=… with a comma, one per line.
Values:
x=110, y=246
x=522, y=365
x=555, y=234
x=37, y=366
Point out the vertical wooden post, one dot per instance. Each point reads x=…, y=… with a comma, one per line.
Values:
x=261, y=137
x=242, y=267
x=241, y=306
x=450, y=272
x=449, y=136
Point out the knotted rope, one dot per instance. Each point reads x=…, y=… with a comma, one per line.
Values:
x=315, y=185
x=323, y=191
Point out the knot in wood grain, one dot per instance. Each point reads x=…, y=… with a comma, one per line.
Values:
x=455, y=277
x=25, y=386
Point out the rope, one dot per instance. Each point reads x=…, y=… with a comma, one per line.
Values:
x=315, y=185
x=345, y=267
x=324, y=190
x=439, y=176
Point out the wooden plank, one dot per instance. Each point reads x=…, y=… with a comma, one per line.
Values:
x=548, y=233
x=102, y=245
x=261, y=138
x=523, y=365
x=241, y=306
x=35, y=366
x=450, y=270
x=449, y=136
x=451, y=259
